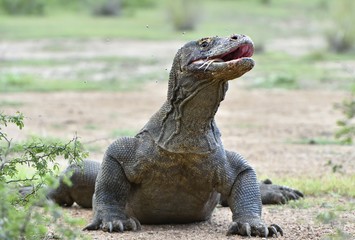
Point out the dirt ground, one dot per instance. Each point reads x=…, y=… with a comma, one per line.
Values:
x=263, y=125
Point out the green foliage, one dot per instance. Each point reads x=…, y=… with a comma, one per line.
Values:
x=265, y=2
x=106, y=8
x=182, y=14
x=5, y=103
x=341, y=35
x=26, y=221
x=339, y=235
x=331, y=217
x=327, y=217
x=6, y=119
x=23, y=7
x=138, y=3
x=25, y=82
x=20, y=218
x=346, y=131
x=301, y=204
x=9, y=81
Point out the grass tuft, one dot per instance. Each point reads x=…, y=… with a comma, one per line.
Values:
x=343, y=185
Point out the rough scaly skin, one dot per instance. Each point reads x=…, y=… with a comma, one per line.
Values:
x=83, y=179
x=82, y=186
x=174, y=168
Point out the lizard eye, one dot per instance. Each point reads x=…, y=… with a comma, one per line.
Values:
x=204, y=44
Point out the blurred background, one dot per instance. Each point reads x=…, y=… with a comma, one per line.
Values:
x=73, y=44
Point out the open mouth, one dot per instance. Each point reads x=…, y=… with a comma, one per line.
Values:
x=244, y=50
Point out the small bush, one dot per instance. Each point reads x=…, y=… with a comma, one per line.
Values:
x=183, y=14
x=341, y=35
x=20, y=218
x=23, y=7
x=346, y=132
x=107, y=8
x=138, y=3
x=111, y=8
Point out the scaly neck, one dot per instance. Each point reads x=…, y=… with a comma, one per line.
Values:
x=186, y=123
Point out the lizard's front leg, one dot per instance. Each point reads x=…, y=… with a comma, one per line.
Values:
x=111, y=192
x=245, y=201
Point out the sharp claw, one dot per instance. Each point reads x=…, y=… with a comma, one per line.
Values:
x=267, y=181
x=120, y=226
x=295, y=195
x=266, y=231
x=92, y=226
x=110, y=227
x=298, y=193
x=233, y=229
x=283, y=200
x=245, y=229
x=272, y=231
x=138, y=224
x=278, y=228
x=290, y=196
x=133, y=224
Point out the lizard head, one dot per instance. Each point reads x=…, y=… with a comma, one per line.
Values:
x=217, y=58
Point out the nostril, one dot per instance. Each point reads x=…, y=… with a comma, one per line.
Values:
x=236, y=36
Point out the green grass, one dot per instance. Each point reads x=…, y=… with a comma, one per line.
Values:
x=326, y=210
x=123, y=133
x=20, y=82
x=215, y=18
x=280, y=70
x=328, y=202
x=317, y=141
x=343, y=185
x=5, y=103
x=93, y=148
x=115, y=60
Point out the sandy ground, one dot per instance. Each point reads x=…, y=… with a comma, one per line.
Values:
x=260, y=124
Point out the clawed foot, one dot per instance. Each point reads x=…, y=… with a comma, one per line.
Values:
x=276, y=194
x=130, y=224
x=252, y=229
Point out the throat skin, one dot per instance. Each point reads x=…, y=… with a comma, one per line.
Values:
x=185, y=123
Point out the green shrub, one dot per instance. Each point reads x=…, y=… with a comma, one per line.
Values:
x=23, y=7
x=341, y=35
x=116, y=7
x=107, y=8
x=183, y=14
x=138, y=3
x=346, y=132
x=20, y=218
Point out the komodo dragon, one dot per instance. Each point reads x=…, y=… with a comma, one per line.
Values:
x=174, y=169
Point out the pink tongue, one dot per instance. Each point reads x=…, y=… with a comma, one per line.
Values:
x=242, y=51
